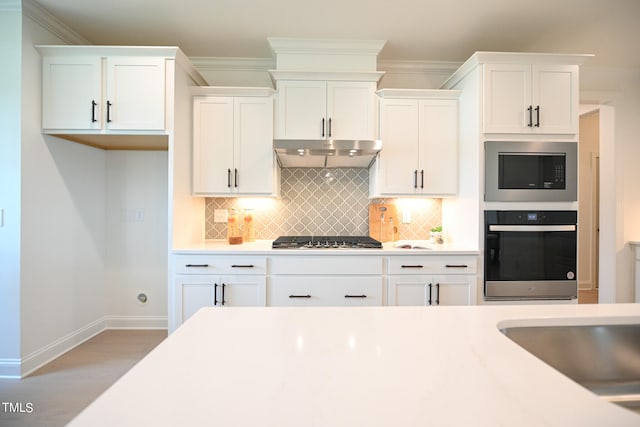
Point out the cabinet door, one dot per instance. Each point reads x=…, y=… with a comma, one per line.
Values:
x=506, y=98
x=213, y=145
x=301, y=109
x=555, y=92
x=409, y=290
x=193, y=293
x=242, y=291
x=253, y=151
x=397, y=171
x=136, y=93
x=71, y=93
x=438, y=147
x=453, y=289
x=351, y=110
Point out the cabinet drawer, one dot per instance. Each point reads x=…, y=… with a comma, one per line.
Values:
x=326, y=291
x=211, y=264
x=432, y=264
x=326, y=264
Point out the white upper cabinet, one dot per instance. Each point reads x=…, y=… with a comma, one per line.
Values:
x=316, y=109
x=530, y=98
x=419, y=136
x=233, y=146
x=96, y=92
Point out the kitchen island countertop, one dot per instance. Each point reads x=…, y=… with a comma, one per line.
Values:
x=263, y=247
x=364, y=366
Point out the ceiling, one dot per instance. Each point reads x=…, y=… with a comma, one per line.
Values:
x=417, y=30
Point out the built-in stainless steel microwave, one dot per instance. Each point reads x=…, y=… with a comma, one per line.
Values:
x=539, y=171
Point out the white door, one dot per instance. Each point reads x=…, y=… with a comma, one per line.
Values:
x=438, y=147
x=242, y=291
x=193, y=294
x=555, y=92
x=452, y=290
x=253, y=136
x=71, y=93
x=398, y=169
x=135, y=93
x=408, y=290
x=213, y=168
x=302, y=107
x=351, y=110
x=506, y=98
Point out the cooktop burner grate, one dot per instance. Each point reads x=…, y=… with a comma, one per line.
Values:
x=326, y=242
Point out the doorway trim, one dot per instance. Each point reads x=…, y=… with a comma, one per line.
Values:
x=610, y=205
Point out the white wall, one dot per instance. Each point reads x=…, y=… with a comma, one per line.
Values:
x=10, y=88
x=62, y=233
x=136, y=237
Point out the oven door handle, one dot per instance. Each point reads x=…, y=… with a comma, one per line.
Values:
x=532, y=228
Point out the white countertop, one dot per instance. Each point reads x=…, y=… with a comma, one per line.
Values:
x=365, y=366
x=263, y=247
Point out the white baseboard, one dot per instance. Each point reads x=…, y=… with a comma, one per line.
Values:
x=136, y=322
x=9, y=368
x=20, y=368
x=60, y=346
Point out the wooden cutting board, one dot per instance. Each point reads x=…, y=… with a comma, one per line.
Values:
x=379, y=230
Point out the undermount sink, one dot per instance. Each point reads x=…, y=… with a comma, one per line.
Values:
x=602, y=358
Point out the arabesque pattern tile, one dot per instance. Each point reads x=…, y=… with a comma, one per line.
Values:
x=310, y=205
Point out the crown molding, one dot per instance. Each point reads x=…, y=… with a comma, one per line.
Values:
x=418, y=67
x=46, y=20
x=232, y=64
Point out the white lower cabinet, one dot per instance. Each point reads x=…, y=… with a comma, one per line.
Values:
x=298, y=290
x=446, y=280
x=326, y=281
x=216, y=281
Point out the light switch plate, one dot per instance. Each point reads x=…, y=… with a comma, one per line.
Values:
x=406, y=216
x=219, y=215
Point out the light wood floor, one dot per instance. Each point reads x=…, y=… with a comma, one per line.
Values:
x=61, y=389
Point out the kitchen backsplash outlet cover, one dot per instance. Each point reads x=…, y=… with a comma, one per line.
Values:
x=311, y=206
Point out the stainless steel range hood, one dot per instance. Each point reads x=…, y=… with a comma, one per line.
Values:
x=331, y=153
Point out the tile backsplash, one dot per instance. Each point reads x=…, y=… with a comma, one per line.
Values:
x=312, y=204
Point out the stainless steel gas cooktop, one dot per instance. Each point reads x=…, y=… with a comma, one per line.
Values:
x=326, y=242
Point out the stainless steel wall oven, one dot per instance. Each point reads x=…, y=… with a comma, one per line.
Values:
x=531, y=171
x=530, y=255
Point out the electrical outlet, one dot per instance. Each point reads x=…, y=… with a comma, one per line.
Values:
x=219, y=215
x=406, y=216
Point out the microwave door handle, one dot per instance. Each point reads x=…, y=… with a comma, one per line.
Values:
x=532, y=228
